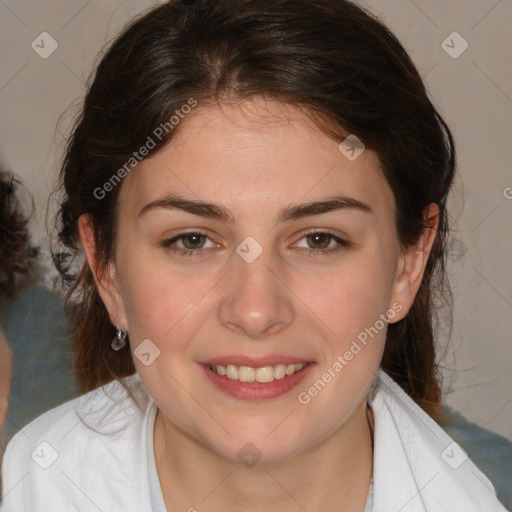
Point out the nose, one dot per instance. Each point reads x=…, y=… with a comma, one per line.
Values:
x=256, y=301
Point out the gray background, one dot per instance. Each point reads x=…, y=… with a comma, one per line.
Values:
x=38, y=98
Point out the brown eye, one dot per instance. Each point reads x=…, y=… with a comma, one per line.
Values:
x=188, y=244
x=193, y=240
x=319, y=240
x=322, y=243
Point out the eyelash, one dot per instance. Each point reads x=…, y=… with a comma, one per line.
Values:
x=342, y=244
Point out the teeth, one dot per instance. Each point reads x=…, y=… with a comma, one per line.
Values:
x=246, y=374
x=264, y=374
x=279, y=371
x=232, y=372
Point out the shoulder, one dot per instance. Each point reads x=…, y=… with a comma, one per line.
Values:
x=491, y=452
x=101, y=411
x=75, y=445
x=425, y=458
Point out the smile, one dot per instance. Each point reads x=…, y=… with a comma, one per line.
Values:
x=256, y=383
x=250, y=374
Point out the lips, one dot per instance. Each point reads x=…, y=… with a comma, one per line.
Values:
x=256, y=378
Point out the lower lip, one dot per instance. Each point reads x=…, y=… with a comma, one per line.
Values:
x=256, y=390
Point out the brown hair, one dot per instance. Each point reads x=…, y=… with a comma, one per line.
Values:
x=329, y=57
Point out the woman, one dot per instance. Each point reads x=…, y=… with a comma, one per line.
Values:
x=260, y=191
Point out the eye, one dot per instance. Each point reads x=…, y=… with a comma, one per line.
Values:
x=192, y=244
x=323, y=243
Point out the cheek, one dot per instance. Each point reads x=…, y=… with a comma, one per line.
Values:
x=158, y=301
x=351, y=297
x=349, y=302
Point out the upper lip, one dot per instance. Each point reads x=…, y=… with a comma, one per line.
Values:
x=254, y=362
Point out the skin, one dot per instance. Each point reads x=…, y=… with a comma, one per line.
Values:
x=256, y=158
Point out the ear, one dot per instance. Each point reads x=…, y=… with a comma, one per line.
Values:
x=412, y=264
x=105, y=279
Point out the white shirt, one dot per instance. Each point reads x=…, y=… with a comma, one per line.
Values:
x=95, y=453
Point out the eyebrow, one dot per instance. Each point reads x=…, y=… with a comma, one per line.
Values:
x=292, y=212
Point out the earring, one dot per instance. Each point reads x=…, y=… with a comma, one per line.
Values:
x=119, y=340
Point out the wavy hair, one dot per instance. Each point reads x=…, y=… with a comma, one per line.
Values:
x=16, y=254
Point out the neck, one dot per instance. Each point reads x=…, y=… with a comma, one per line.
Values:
x=332, y=475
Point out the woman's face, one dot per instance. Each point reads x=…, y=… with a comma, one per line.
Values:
x=249, y=284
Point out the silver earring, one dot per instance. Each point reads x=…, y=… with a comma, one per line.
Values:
x=119, y=340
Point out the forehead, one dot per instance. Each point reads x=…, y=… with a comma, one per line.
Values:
x=255, y=154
